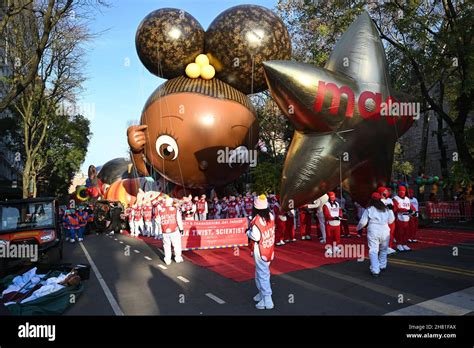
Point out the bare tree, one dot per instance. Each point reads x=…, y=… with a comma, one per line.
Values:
x=57, y=82
x=33, y=22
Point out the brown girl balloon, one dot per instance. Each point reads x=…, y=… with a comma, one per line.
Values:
x=198, y=130
x=188, y=129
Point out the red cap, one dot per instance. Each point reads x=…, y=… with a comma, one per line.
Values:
x=331, y=194
x=411, y=191
x=402, y=188
x=381, y=189
x=376, y=195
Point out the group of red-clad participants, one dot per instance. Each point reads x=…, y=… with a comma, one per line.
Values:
x=142, y=216
x=329, y=212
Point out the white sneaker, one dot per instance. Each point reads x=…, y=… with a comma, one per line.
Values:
x=391, y=251
x=265, y=303
x=322, y=241
x=72, y=241
x=280, y=243
x=257, y=298
x=414, y=240
x=337, y=250
x=406, y=247
x=260, y=304
x=328, y=253
x=400, y=247
x=268, y=302
x=111, y=233
x=179, y=259
x=81, y=239
x=168, y=262
x=308, y=237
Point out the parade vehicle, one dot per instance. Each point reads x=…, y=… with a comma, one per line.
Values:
x=31, y=227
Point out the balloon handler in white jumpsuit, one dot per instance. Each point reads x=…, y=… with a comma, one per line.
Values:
x=262, y=245
x=377, y=217
x=170, y=223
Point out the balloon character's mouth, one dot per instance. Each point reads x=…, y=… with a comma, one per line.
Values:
x=203, y=165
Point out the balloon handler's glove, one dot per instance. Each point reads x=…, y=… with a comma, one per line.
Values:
x=336, y=218
x=410, y=212
x=390, y=206
x=181, y=231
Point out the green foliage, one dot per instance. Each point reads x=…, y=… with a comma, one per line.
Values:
x=65, y=151
x=266, y=177
x=400, y=168
x=458, y=173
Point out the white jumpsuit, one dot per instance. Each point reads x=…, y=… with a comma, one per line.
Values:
x=319, y=204
x=378, y=235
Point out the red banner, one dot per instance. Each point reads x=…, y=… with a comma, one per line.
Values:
x=213, y=234
x=448, y=210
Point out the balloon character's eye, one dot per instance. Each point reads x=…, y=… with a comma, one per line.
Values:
x=167, y=147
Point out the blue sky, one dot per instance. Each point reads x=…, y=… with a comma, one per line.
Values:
x=118, y=84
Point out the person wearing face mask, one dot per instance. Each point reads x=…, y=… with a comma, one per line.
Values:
x=403, y=209
x=413, y=225
x=388, y=201
x=377, y=218
x=332, y=216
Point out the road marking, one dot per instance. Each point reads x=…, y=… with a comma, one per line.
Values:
x=136, y=251
x=113, y=302
x=163, y=266
x=148, y=258
x=456, y=303
x=115, y=239
x=183, y=279
x=432, y=266
x=121, y=242
x=215, y=298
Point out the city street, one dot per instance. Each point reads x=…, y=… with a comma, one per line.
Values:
x=427, y=282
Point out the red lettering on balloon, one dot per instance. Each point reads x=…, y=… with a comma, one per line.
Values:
x=335, y=93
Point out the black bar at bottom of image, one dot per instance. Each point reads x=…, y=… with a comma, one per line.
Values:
x=238, y=330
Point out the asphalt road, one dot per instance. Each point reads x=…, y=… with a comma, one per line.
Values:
x=132, y=279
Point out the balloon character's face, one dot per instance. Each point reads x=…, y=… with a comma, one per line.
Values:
x=190, y=138
x=199, y=129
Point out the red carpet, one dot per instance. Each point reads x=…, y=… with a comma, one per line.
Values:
x=237, y=264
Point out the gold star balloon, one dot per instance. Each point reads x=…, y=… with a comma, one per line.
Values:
x=346, y=116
